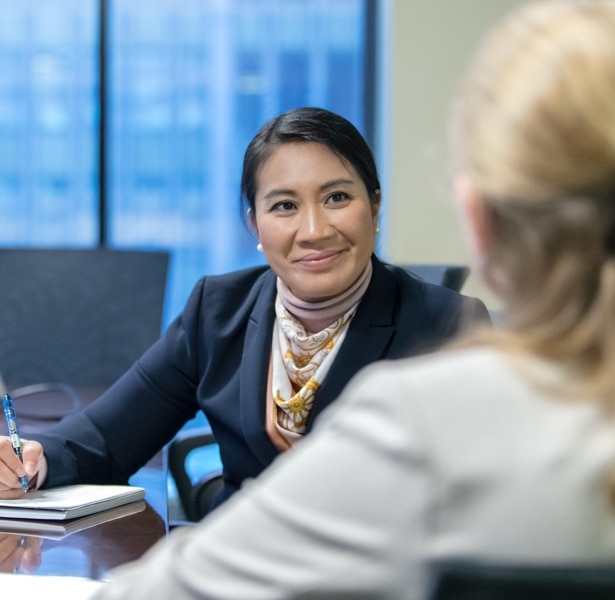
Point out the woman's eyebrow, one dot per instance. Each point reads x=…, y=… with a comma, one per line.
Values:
x=335, y=183
x=280, y=192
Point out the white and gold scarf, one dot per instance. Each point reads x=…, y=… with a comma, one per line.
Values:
x=300, y=362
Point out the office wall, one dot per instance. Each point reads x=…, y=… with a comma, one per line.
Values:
x=431, y=42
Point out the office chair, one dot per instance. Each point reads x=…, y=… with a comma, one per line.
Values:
x=450, y=276
x=472, y=581
x=76, y=318
x=195, y=497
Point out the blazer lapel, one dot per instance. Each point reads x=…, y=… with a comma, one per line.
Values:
x=368, y=335
x=254, y=371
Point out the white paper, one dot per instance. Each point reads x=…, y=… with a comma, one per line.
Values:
x=47, y=586
x=70, y=501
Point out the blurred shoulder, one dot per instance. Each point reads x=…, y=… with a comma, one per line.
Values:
x=222, y=296
x=244, y=277
x=414, y=285
x=428, y=309
x=437, y=383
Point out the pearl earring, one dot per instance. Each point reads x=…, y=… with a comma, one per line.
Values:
x=377, y=229
x=259, y=247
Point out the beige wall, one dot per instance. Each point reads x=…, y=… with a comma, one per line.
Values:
x=431, y=42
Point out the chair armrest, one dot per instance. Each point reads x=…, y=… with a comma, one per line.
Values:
x=178, y=451
x=47, y=401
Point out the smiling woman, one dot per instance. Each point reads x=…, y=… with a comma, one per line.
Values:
x=315, y=220
x=313, y=195
x=264, y=350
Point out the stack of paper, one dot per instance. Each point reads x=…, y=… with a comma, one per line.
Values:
x=70, y=502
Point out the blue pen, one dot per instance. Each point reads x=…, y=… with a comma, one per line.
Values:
x=11, y=421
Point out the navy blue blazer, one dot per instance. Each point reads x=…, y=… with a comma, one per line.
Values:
x=215, y=357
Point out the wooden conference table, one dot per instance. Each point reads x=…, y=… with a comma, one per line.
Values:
x=93, y=551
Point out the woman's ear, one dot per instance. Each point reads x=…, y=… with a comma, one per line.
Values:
x=476, y=223
x=252, y=219
x=376, y=206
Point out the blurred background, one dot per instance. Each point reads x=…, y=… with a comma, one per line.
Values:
x=123, y=123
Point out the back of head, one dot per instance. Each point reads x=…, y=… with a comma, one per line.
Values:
x=536, y=117
x=534, y=129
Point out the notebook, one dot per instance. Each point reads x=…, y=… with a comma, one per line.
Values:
x=57, y=530
x=69, y=502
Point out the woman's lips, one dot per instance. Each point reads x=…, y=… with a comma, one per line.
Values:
x=320, y=260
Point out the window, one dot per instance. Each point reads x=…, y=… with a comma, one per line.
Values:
x=186, y=84
x=48, y=120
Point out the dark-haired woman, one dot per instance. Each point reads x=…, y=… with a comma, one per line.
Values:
x=262, y=351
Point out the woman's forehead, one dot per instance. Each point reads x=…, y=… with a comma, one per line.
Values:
x=302, y=161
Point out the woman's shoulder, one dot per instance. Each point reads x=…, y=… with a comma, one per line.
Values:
x=225, y=294
x=247, y=276
x=432, y=403
x=413, y=402
x=415, y=288
x=434, y=388
x=460, y=392
x=236, y=284
x=445, y=372
x=422, y=308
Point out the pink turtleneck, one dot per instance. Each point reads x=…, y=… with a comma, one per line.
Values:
x=315, y=316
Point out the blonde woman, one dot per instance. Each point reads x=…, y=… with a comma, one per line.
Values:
x=502, y=449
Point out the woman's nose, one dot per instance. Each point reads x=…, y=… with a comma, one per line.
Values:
x=314, y=224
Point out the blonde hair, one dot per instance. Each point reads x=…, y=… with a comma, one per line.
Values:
x=534, y=129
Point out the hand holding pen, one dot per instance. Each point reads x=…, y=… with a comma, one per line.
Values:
x=11, y=422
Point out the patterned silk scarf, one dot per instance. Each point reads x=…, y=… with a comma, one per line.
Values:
x=300, y=363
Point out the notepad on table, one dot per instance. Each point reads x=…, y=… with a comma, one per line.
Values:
x=58, y=530
x=70, y=502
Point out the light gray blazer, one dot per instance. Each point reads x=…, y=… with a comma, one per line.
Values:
x=449, y=455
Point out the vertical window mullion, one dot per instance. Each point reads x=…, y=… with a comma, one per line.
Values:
x=102, y=122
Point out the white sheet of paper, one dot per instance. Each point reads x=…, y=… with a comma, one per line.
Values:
x=47, y=586
x=70, y=502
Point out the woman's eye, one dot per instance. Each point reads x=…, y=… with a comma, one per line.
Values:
x=338, y=197
x=283, y=206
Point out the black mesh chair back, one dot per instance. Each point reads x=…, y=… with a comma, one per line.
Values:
x=77, y=316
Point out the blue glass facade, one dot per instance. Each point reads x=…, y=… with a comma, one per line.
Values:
x=48, y=118
x=189, y=84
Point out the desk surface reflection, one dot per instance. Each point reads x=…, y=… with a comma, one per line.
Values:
x=91, y=552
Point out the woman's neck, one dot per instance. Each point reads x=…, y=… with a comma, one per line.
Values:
x=315, y=316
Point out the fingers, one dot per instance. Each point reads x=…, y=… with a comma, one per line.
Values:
x=11, y=553
x=11, y=468
x=19, y=552
x=33, y=457
x=31, y=559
